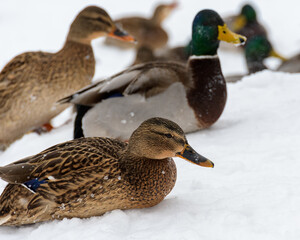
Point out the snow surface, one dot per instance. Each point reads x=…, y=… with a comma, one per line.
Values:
x=254, y=190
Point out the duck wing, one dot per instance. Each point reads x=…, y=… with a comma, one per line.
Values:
x=147, y=79
x=72, y=158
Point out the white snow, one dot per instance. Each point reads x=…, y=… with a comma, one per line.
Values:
x=254, y=190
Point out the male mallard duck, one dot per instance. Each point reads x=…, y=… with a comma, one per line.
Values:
x=245, y=23
x=147, y=32
x=192, y=94
x=32, y=83
x=89, y=176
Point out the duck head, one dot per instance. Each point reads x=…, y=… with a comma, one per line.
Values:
x=93, y=22
x=247, y=15
x=159, y=138
x=162, y=11
x=208, y=30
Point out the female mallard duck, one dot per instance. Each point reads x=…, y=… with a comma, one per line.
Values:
x=89, y=176
x=32, y=83
x=192, y=94
x=147, y=32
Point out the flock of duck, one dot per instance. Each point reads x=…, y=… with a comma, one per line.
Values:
x=121, y=156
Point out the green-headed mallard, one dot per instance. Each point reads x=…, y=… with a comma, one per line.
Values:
x=192, y=94
x=147, y=32
x=32, y=83
x=89, y=176
x=245, y=23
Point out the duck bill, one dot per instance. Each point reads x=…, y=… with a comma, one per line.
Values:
x=189, y=154
x=239, y=22
x=121, y=35
x=277, y=55
x=225, y=34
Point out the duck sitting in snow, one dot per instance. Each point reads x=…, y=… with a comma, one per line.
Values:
x=89, y=176
x=32, y=83
x=147, y=32
x=192, y=94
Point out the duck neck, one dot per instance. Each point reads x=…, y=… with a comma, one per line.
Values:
x=79, y=54
x=208, y=93
x=201, y=46
x=157, y=17
x=155, y=177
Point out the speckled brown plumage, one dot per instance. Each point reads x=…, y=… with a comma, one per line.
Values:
x=31, y=83
x=147, y=32
x=90, y=176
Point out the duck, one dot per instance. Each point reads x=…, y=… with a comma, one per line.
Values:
x=32, y=82
x=246, y=23
x=258, y=48
x=147, y=31
x=87, y=177
x=193, y=94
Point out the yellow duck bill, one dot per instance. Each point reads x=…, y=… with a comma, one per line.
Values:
x=225, y=34
x=189, y=154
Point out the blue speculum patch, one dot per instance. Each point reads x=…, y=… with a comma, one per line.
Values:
x=34, y=184
x=116, y=95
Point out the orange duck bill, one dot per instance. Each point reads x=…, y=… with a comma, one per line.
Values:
x=189, y=154
x=121, y=35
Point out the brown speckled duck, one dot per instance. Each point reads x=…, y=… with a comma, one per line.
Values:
x=147, y=32
x=32, y=83
x=90, y=176
x=193, y=94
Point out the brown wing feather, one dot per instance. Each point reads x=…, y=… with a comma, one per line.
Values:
x=69, y=158
x=147, y=79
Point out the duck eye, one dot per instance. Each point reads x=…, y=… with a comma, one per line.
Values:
x=224, y=32
x=168, y=135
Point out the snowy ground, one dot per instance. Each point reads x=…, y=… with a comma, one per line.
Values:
x=254, y=190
